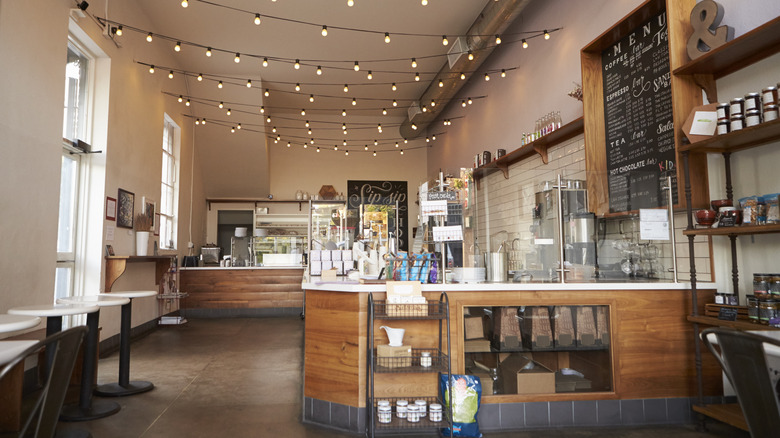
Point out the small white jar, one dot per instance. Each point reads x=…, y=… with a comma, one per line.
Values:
x=421, y=407
x=401, y=407
x=425, y=359
x=385, y=414
x=413, y=414
x=434, y=412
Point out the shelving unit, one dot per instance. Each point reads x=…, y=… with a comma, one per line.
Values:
x=436, y=311
x=751, y=47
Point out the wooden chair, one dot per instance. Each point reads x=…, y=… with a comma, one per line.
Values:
x=46, y=400
x=743, y=359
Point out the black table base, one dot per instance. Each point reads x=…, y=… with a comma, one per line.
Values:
x=98, y=409
x=119, y=390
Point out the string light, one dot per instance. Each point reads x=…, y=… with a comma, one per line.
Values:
x=346, y=153
x=268, y=119
x=441, y=83
x=119, y=31
x=188, y=103
x=463, y=104
x=370, y=75
x=288, y=144
x=546, y=34
x=149, y=37
x=262, y=110
x=203, y=122
x=170, y=74
x=221, y=105
x=197, y=121
x=228, y=111
x=200, y=77
x=311, y=98
x=232, y=129
x=402, y=151
x=376, y=143
x=318, y=148
x=498, y=40
x=307, y=123
x=257, y=19
x=387, y=37
x=303, y=112
x=433, y=137
x=298, y=87
x=471, y=56
x=208, y=51
x=335, y=147
x=444, y=41
x=395, y=102
x=525, y=44
x=427, y=140
x=319, y=71
x=414, y=63
x=487, y=77
x=249, y=83
x=384, y=111
x=357, y=66
x=267, y=92
x=350, y=3
x=417, y=77
x=184, y=3
x=274, y=129
x=343, y=113
x=151, y=69
x=433, y=102
x=414, y=126
x=470, y=101
x=265, y=62
x=324, y=30
x=462, y=76
x=365, y=148
x=237, y=59
x=181, y=98
x=219, y=85
x=238, y=126
x=177, y=47
x=396, y=144
x=297, y=64
x=503, y=73
x=346, y=88
x=354, y=101
x=393, y=86
x=375, y=153
x=379, y=127
x=425, y=109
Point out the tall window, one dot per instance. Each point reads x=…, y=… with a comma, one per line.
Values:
x=74, y=127
x=169, y=187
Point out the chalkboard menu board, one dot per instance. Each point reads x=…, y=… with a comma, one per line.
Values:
x=382, y=193
x=638, y=117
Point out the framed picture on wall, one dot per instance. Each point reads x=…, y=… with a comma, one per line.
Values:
x=110, y=208
x=125, y=208
x=149, y=209
x=109, y=251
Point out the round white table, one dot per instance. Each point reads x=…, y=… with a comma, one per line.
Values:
x=54, y=313
x=13, y=323
x=10, y=349
x=88, y=409
x=125, y=386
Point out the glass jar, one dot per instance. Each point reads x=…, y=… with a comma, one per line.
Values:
x=752, y=308
x=425, y=359
x=421, y=407
x=770, y=113
x=768, y=309
x=434, y=412
x=769, y=96
x=401, y=407
x=774, y=284
x=760, y=285
x=736, y=107
x=752, y=117
x=413, y=414
x=752, y=101
x=385, y=414
x=722, y=127
x=722, y=111
x=720, y=298
x=737, y=122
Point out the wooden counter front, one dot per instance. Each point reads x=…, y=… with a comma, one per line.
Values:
x=652, y=353
x=252, y=288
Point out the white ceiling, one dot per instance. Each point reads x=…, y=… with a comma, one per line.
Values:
x=209, y=24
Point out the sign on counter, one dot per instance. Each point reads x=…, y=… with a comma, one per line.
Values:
x=639, y=128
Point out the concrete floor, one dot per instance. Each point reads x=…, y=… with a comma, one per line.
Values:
x=243, y=378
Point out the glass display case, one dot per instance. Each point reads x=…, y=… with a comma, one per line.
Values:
x=279, y=238
x=331, y=232
x=539, y=349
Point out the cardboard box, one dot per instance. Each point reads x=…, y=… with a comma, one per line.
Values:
x=393, y=357
x=486, y=381
x=570, y=383
x=476, y=346
x=537, y=380
x=473, y=327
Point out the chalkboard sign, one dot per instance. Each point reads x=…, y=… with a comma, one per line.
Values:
x=382, y=193
x=727, y=314
x=638, y=117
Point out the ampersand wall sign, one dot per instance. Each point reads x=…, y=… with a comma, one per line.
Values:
x=705, y=18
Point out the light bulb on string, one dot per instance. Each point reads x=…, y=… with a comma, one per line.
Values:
x=232, y=129
x=305, y=146
x=238, y=126
x=427, y=139
x=487, y=77
x=188, y=102
x=311, y=98
x=119, y=30
x=471, y=56
x=406, y=141
x=546, y=34
x=324, y=30
x=394, y=87
x=237, y=59
x=297, y=64
x=375, y=153
x=462, y=76
x=424, y=2
x=319, y=71
x=417, y=77
x=503, y=73
x=433, y=137
x=257, y=19
x=288, y=144
x=170, y=74
x=203, y=122
x=433, y=102
x=376, y=143
x=441, y=83
x=498, y=40
x=379, y=127
x=343, y=126
x=249, y=83
x=350, y=3
x=370, y=75
x=344, y=142
x=396, y=144
x=357, y=66
x=525, y=44
x=177, y=47
x=311, y=141
x=149, y=37
x=298, y=87
x=402, y=151
x=354, y=101
x=384, y=111
x=219, y=85
x=387, y=37
x=343, y=113
x=309, y=131
x=425, y=109
x=470, y=101
x=318, y=148
x=463, y=104
x=346, y=153
x=395, y=102
x=303, y=112
x=184, y=3
x=181, y=98
x=414, y=126
x=365, y=148
x=346, y=88
x=444, y=41
x=414, y=63
x=200, y=77
x=335, y=147
x=273, y=129
x=267, y=92
x=221, y=105
x=197, y=121
x=278, y=137
x=265, y=62
x=151, y=69
x=208, y=51
x=307, y=123
x=268, y=119
x=262, y=110
x=228, y=111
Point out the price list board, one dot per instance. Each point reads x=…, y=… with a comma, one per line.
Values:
x=639, y=127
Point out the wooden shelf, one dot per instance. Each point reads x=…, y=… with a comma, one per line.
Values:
x=729, y=413
x=742, y=230
x=750, y=137
x=738, y=53
x=738, y=324
x=536, y=147
x=116, y=265
x=210, y=201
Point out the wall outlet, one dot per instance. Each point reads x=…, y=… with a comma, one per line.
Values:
x=190, y=245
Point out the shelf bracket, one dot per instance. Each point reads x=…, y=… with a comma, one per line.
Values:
x=542, y=151
x=504, y=168
x=707, y=83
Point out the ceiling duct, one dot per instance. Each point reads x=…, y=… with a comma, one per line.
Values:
x=413, y=110
x=494, y=19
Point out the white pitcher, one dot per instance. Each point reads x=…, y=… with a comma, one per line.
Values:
x=395, y=335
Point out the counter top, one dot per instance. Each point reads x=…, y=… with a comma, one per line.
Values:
x=227, y=268
x=345, y=285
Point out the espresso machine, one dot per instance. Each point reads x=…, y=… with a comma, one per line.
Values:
x=579, y=225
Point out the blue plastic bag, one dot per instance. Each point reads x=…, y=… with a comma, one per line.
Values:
x=467, y=396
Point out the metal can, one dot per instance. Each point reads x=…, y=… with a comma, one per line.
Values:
x=752, y=117
x=770, y=113
x=769, y=96
x=723, y=127
x=723, y=111
x=737, y=122
x=736, y=107
x=500, y=153
x=752, y=101
x=485, y=157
